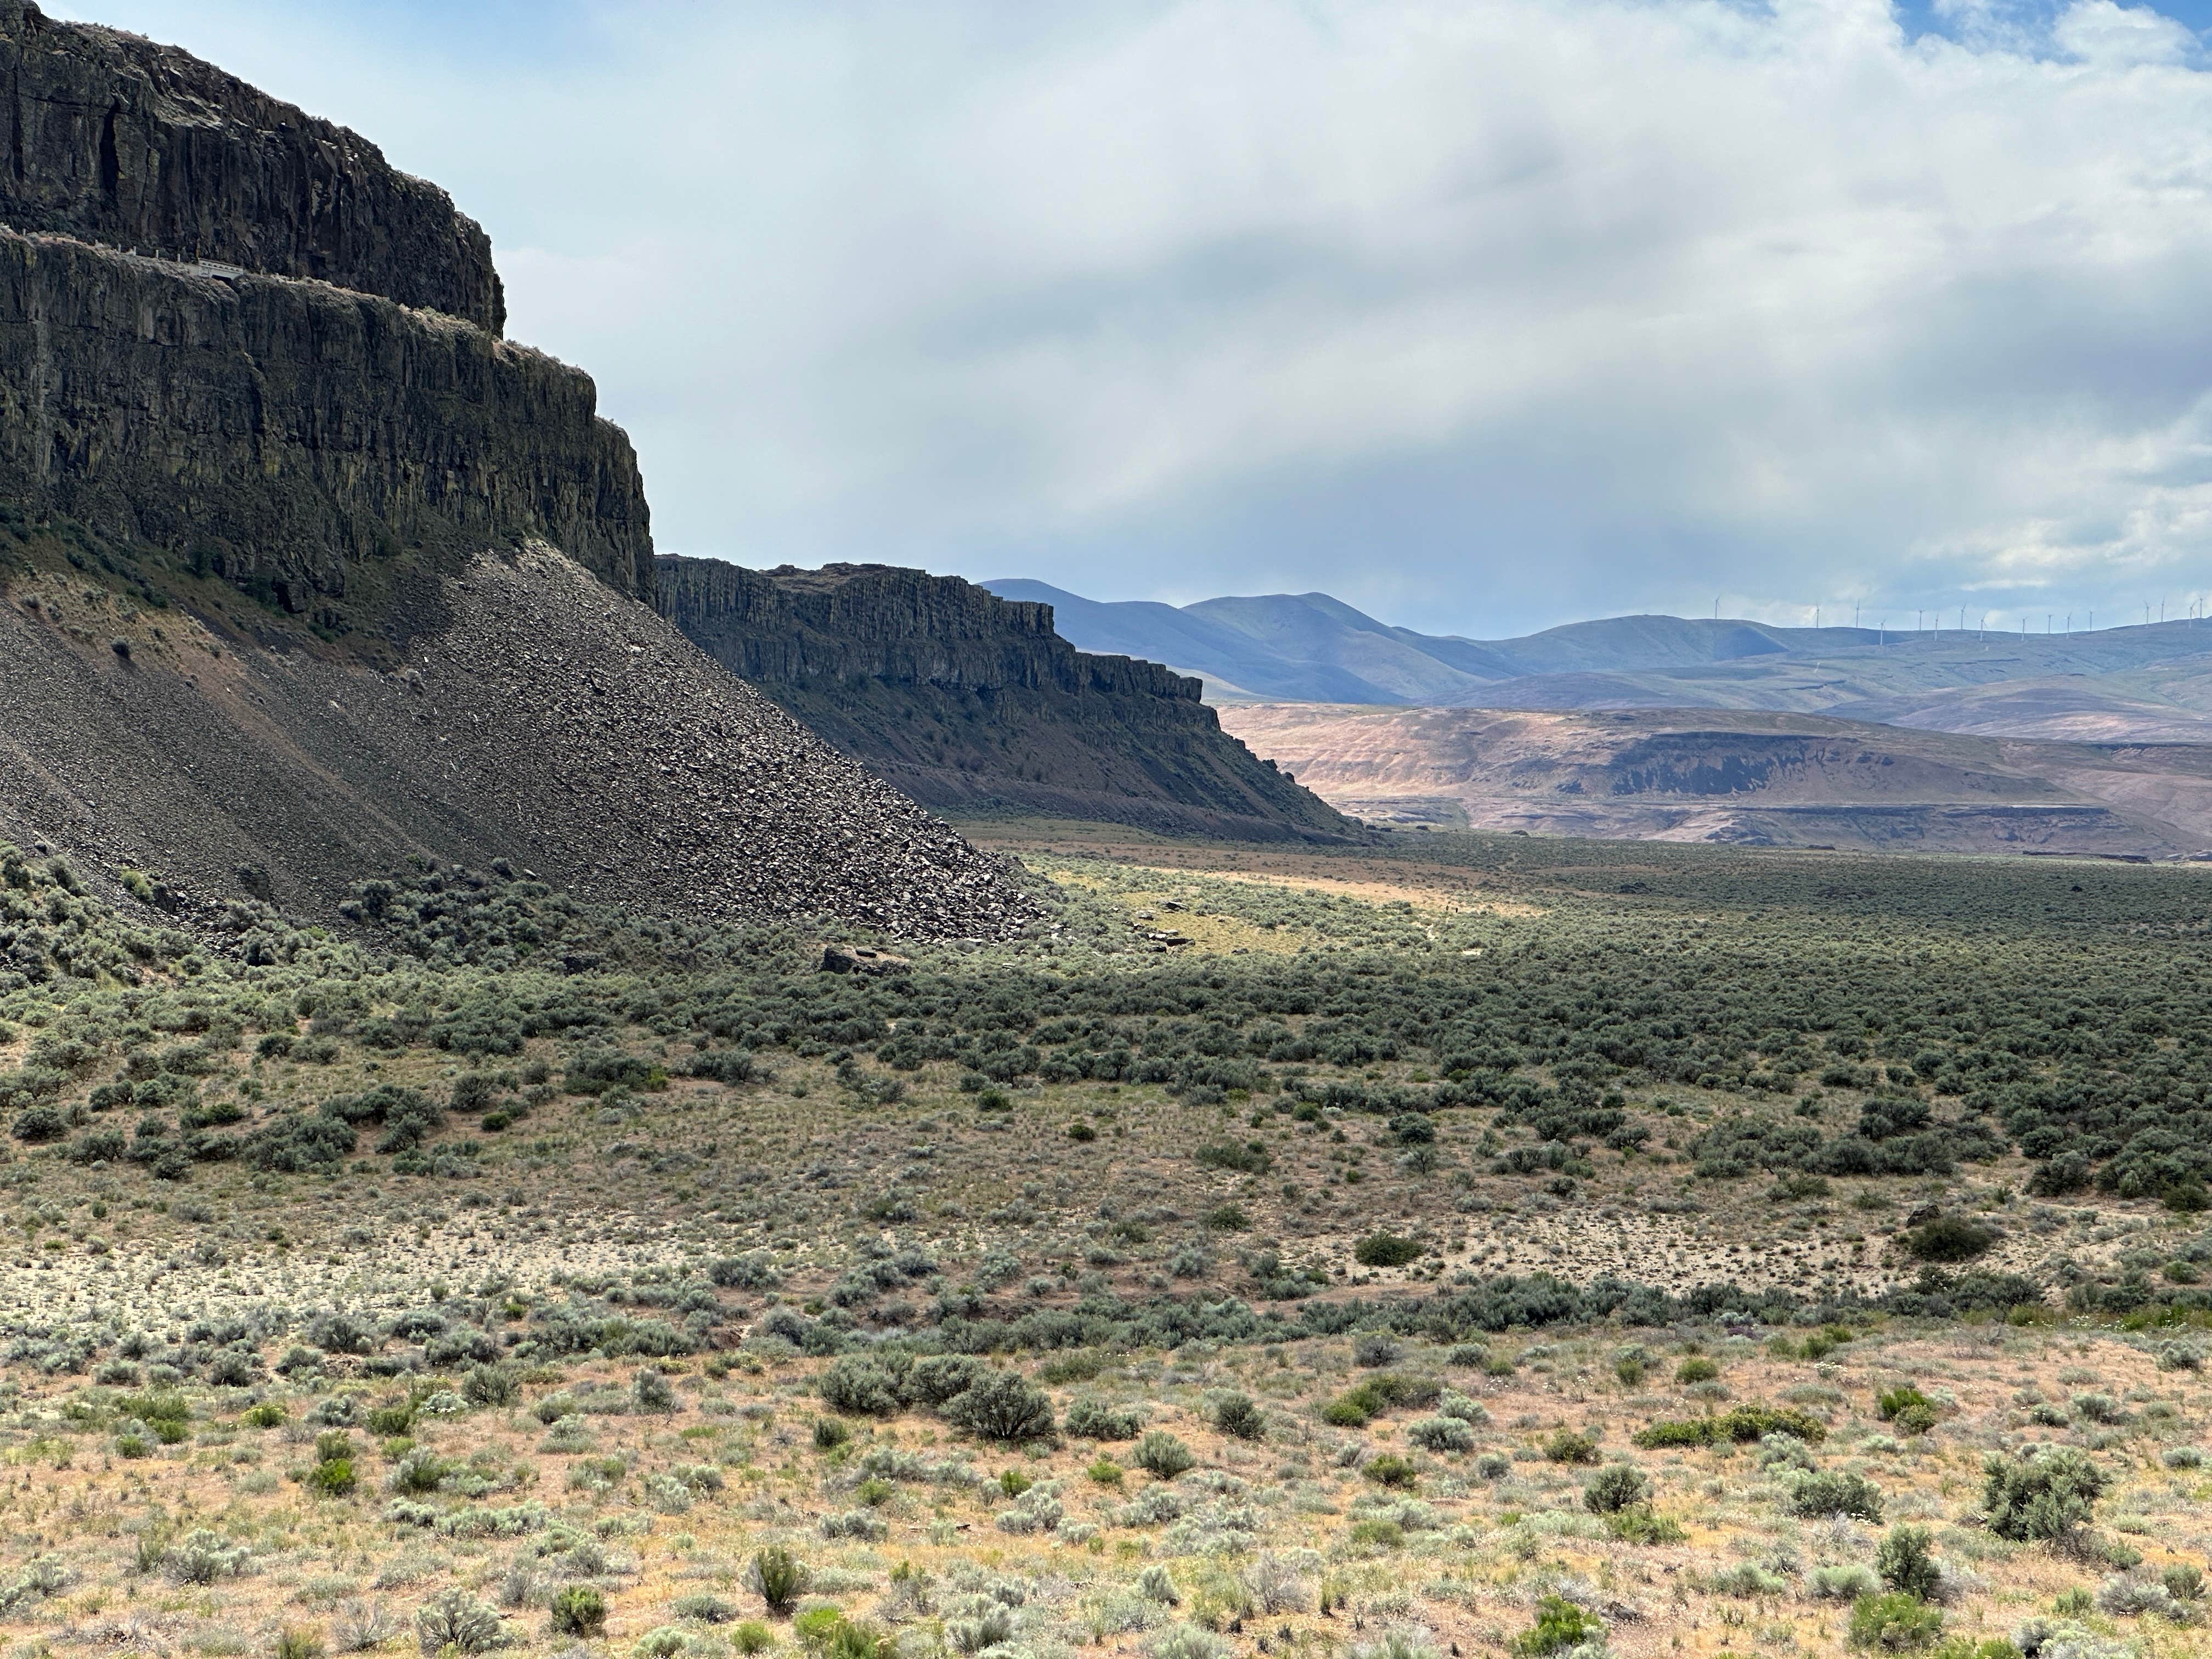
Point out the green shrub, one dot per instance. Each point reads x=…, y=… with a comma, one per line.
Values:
x=1161, y=1454
x=1894, y=1623
x=487, y=1385
x=578, y=1610
x=1696, y=1369
x=1091, y=1420
x=1640, y=1525
x=1442, y=1434
x=266, y=1415
x=1847, y=1582
x=1906, y=1561
x=1833, y=1493
x=1237, y=1414
x=1002, y=1407
x=652, y=1392
x=1570, y=1446
x=1388, y=1470
x=1949, y=1238
x=1742, y=1425
x=1912, y=1411
x=1617, y=1487
x=298, y=1642
x=2048, y=1494
x=751, y=1637
x=333, y=1477
x=1560, y=1625
x=778, y=1578
x=1249, y=1157
x=814, y=1627
x=859, y=1385
x=1385, y=1250
x=453, y=1618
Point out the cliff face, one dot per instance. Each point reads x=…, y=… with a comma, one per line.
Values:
x=291, y=437
x=443, y=654
x=114, y=139
x=972, y=704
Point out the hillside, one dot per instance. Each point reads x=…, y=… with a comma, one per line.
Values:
x=306, y=572
x=974, y=705
x=2135, y=685
x=1761, y=778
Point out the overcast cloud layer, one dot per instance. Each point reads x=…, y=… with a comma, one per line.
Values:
x=1481, y=316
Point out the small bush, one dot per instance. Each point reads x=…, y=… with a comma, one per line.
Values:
x=1912, y=1411
x=580, y=1610
x=1949, y=1238
x=1639, y=1525
x=1090, y=1420
x=1161, y=1454
x=2130, y=1595
x=1388, y=1470
x=1905, y=1562
x=1560, y=1625
x=1844, y=1583
x=1743, y=1426
x=1696, y=1369
x=333, y=1477
x=455, y=1619
x=1442, y=1434
x=1385, y=1250
x=1618, y=1487
x=1831, y=1492
x=1570, y=1446
x=2046, y=1495
x=778, y=1578
x=1894, y=1623
x=298, y=1642
x=1002, y=1407
x=1239, y=1415
x=858, y=1385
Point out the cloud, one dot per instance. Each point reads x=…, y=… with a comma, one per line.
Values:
x=1484, y=317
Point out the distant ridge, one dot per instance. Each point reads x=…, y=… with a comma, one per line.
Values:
x=2138, y=683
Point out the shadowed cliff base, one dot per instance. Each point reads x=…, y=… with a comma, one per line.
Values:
x=976, y=706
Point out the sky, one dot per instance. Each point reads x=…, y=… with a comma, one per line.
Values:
x=1481, y=316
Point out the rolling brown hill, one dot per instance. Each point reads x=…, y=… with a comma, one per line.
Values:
x=1745, y=776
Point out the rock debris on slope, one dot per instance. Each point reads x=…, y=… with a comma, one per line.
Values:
x=641, y=768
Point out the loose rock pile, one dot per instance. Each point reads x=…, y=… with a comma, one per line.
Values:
x=544, y=718
x=628, y=766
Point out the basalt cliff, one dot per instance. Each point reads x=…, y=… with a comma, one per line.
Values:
x=974, y=705
x=306, y=570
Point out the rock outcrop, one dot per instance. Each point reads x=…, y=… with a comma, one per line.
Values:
x=114, y=139
x=297, y=438
x=972, y=704
x=305, y=571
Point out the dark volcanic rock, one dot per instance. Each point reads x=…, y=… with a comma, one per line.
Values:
x=297, y=438
x=548, y=719
x=284, y=606
x=114, y=139
x=973, y=704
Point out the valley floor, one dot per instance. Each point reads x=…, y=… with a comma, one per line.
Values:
x=509, y=1273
